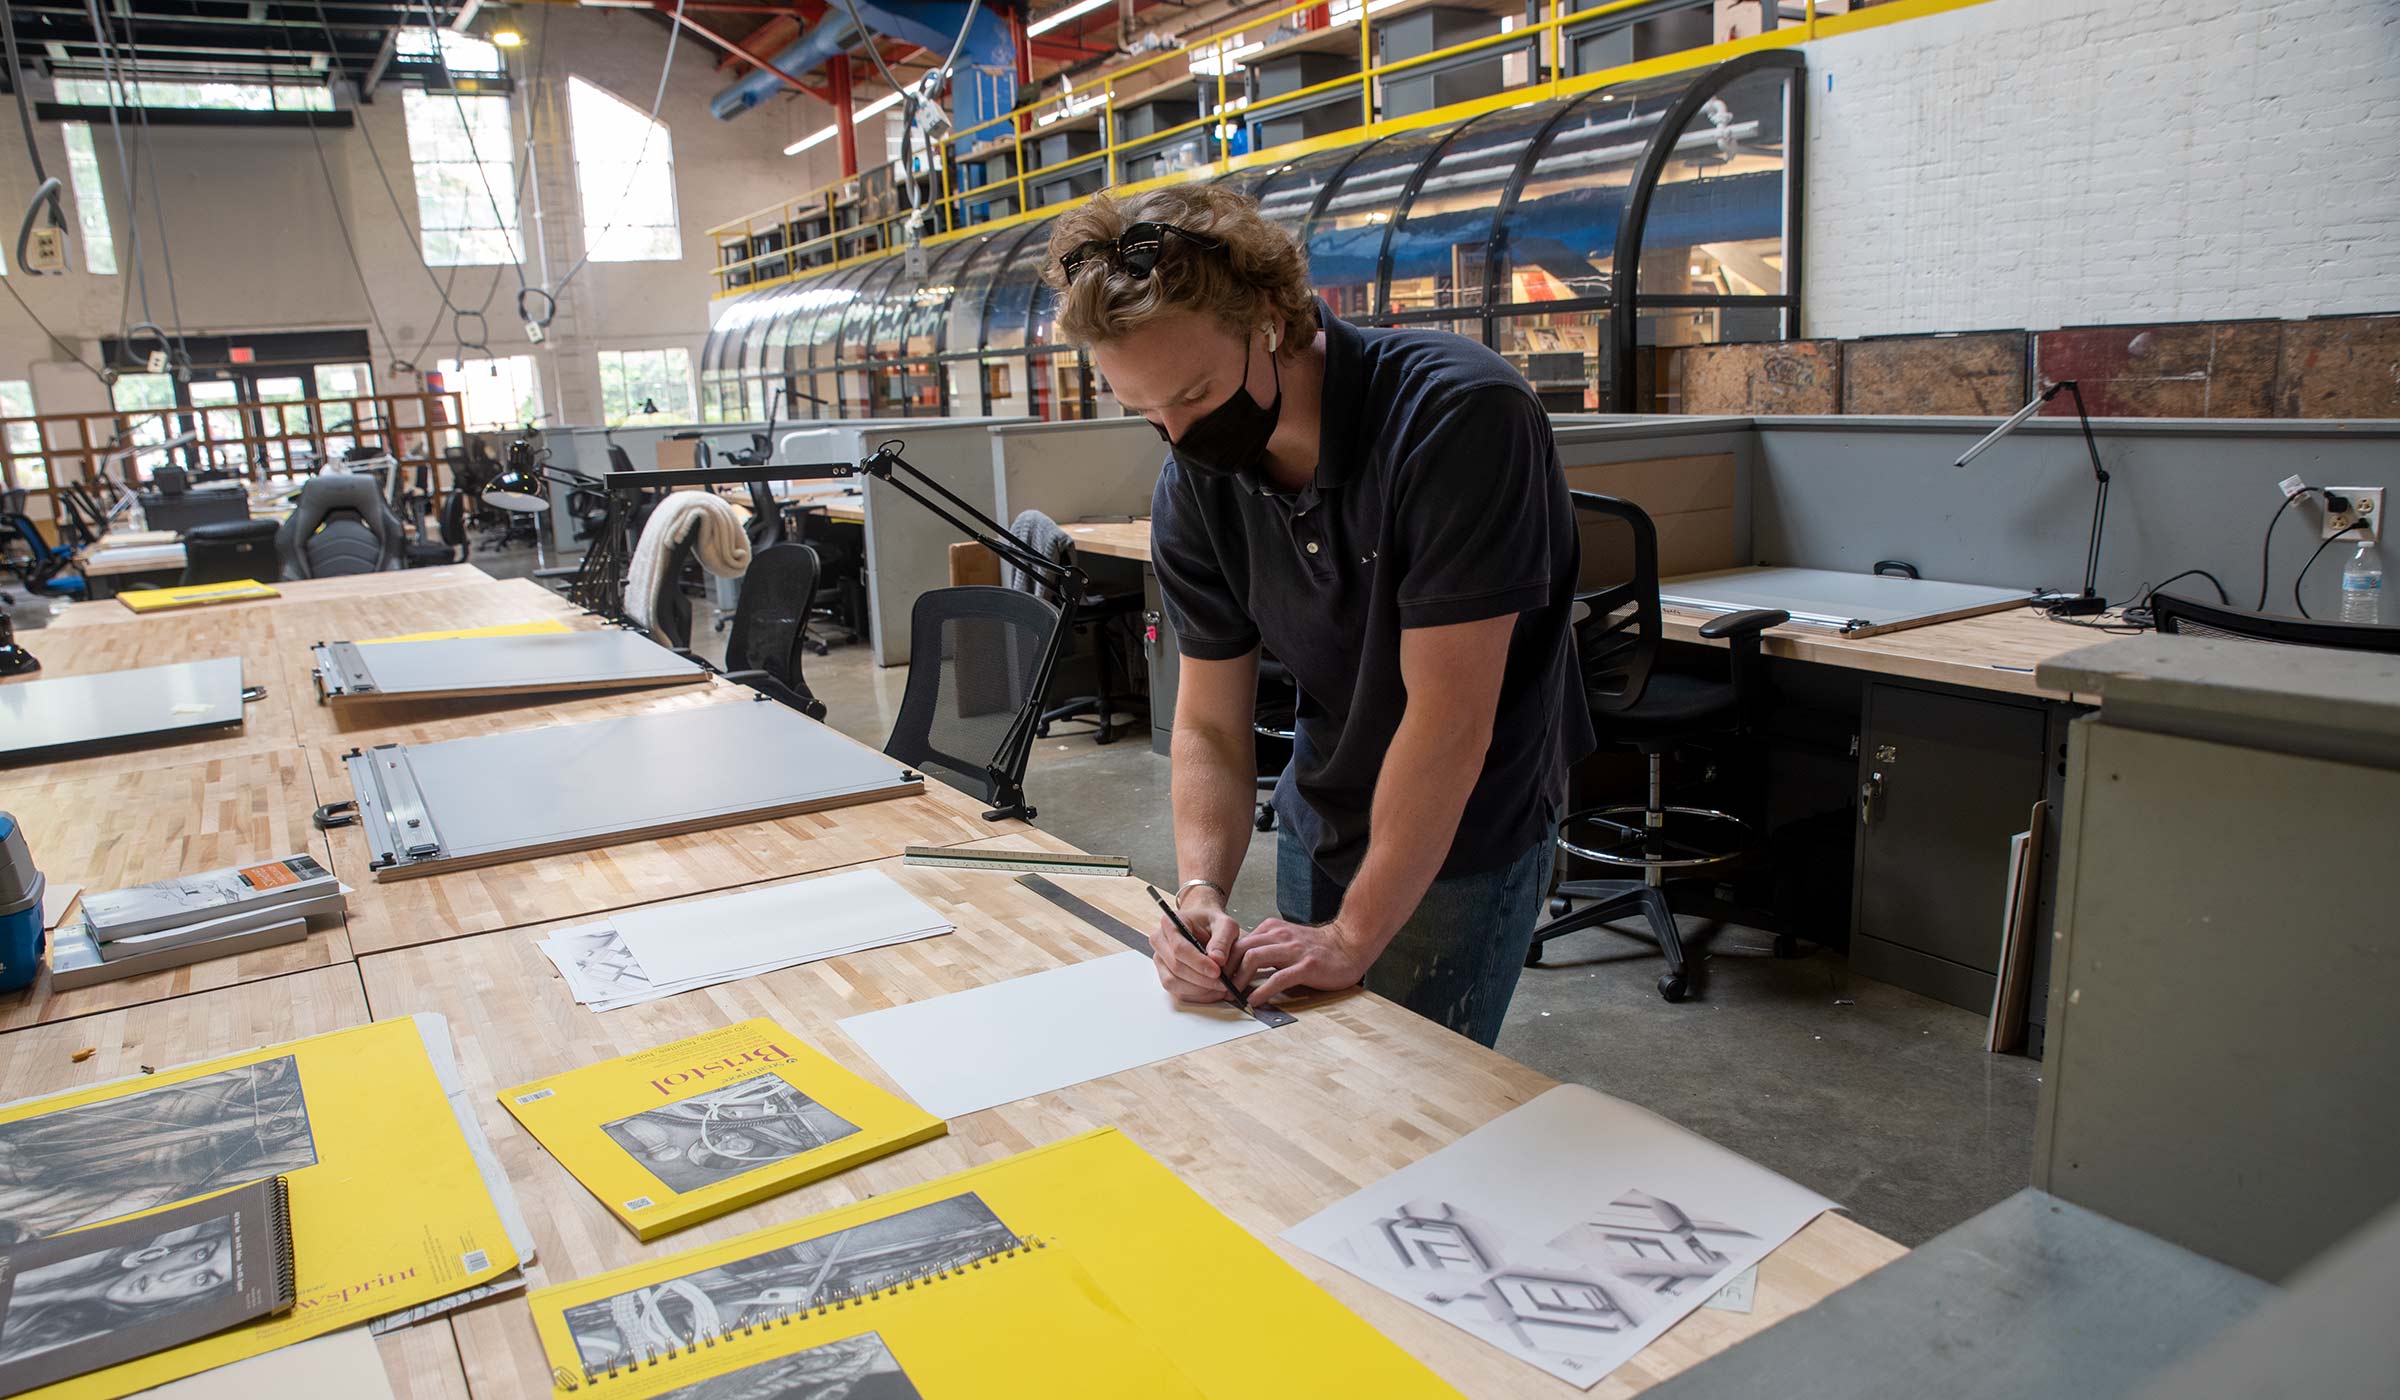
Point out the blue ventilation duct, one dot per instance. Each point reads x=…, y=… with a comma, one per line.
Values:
x=931, y=25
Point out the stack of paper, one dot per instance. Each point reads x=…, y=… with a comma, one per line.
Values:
x=640, y=955
x=172, y=923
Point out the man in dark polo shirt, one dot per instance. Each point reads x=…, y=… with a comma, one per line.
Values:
x=1383, y=511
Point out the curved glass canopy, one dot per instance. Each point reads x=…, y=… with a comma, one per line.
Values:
x=1580, y=238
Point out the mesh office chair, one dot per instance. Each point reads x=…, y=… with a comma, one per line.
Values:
x=1098, y=616
x=1274, y=727
x=973, y=654
x=341, y=526
x=40, y=565
x=229, y=550
x=451, y=546
x=1618, y=638
x=2179, y=616
x=764, y=648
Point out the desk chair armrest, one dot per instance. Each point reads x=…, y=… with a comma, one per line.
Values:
x=1748, y=623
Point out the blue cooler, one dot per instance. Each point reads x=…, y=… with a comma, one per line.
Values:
x=20, y=909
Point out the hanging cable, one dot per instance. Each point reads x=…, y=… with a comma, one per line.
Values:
x=158, y=205
x=114, y=87
x=658, y=102
x=41, y=177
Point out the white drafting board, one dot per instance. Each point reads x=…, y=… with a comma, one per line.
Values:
x=461, y=667
x=39, y=718
x=428, y=809
x=1569, y=1232
x=1858, y=605
x=996, y=1044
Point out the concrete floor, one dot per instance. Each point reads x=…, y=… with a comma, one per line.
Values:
x=1878, y=1098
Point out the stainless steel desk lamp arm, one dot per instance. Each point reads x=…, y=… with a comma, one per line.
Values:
x=2089, y=600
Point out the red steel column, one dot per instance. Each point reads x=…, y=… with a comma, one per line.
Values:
x=838, y=75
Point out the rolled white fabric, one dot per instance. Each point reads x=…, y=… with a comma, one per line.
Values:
x=723, y=545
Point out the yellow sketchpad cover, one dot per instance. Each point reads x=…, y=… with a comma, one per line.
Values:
x=388, y=1210
x=672, y=1136
x=543, y=628
x=1159, y=1254
x=1001, y=1328
x=152, y=600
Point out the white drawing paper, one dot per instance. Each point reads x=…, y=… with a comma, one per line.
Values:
x=972, y=1050
x=1569, y=1232
x=787, y=923
x=57, y=899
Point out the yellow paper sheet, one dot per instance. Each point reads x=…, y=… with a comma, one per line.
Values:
x=388, y=1209
x=546, y=627
x=1028, y=1324
x=1171, y=1263
x=150, y=600
x=682, y=1133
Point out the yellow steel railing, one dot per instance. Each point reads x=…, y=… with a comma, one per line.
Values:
x=1018, y=133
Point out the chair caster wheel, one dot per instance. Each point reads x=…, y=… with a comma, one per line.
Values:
x=1533, y=956
x=1786, y=946
x=1674, y=986
x=1263, y=819
x=1041, y=731
x=1561, y=906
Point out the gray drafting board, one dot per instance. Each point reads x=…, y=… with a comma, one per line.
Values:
x=428, y=809
x=1856, y=605
x=42, y=719
x=451, y=668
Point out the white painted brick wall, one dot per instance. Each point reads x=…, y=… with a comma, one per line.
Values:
x=2042, y=163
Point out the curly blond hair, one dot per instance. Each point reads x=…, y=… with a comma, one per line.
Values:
x=1258, y=279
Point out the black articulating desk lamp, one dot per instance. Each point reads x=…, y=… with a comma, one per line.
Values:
x=2089, y=600
x=600, y=584
x=1006, y=771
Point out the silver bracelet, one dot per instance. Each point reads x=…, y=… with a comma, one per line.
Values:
x=1189, y=885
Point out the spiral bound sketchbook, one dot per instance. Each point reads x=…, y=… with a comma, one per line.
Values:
x=1150, y=1249
x=997, y=1326
x=74, y=1303
x=681, y=1133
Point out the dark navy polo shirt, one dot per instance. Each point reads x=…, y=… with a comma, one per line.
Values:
x=1438, y=499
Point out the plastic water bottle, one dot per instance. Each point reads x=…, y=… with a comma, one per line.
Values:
x=2362, y=585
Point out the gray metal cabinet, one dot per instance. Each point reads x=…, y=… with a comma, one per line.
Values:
x=1944, y=781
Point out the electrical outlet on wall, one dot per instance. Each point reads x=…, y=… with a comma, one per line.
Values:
x=2364, y=506
x=47, y=251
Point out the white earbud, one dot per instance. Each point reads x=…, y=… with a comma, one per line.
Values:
x=1271, y=340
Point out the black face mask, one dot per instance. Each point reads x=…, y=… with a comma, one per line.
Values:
x=1232, y=438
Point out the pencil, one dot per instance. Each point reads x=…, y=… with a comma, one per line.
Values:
x=1192, y=938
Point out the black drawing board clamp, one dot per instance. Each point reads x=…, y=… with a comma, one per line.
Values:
x=450, y=668
x=1128, y=935
x=427, y=809
x=53, y=718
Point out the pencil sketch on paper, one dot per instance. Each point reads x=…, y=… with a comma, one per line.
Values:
x=854, y=1368
x=731, y=1129
x=654, y=1318
x=121, y=1286
x=1572, y=1303
x=79, y=1166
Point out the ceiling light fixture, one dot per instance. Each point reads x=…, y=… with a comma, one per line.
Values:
x=1074, y=11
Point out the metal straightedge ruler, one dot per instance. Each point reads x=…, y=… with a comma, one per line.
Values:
x=1128, y=935
x=1036, y=862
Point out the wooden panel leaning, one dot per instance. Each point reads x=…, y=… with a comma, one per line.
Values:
x=1270, y=1128
x=106, y=831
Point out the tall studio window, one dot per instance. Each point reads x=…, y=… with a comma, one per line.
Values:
x=25, y=469
x=463, y=150
x=497, y=395
x=630, y=379
x=625, y=176
x=91, y=205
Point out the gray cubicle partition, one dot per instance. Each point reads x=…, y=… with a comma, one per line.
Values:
x=1844, y=492
x=1098, y=469
x=908, y=547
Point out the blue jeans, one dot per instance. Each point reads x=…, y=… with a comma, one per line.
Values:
x=1458, y=957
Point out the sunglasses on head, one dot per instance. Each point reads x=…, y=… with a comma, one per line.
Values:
x=1136, y=251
